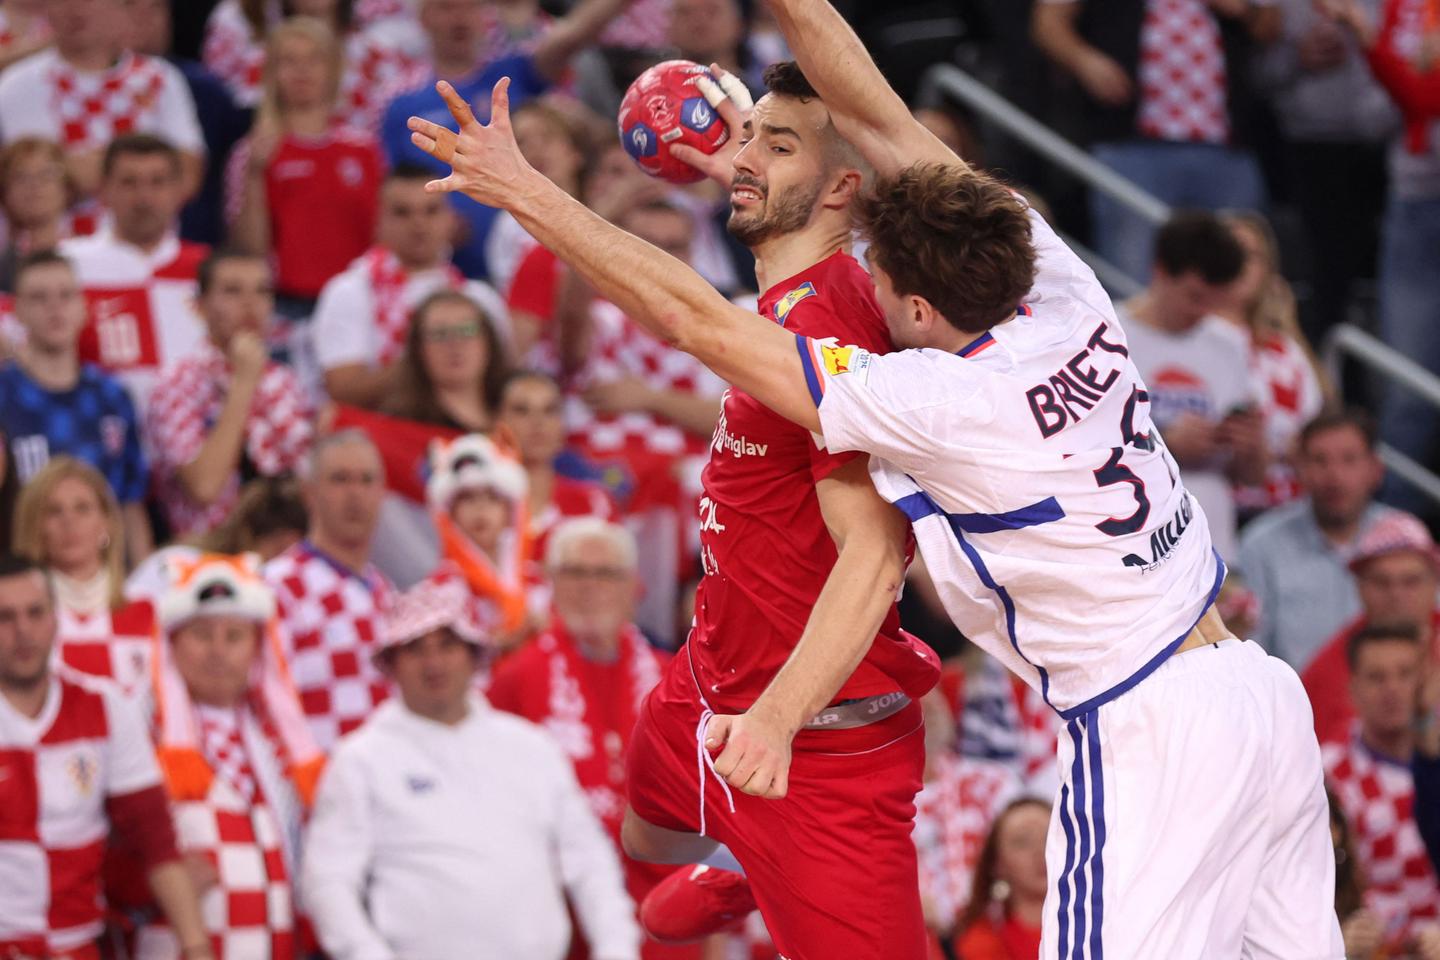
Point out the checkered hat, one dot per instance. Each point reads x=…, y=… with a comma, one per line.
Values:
x=472, y=462
x=1395, y=531
x=216, y=585
x=438, y=601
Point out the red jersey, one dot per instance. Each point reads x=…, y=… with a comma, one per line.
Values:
x=764, y=545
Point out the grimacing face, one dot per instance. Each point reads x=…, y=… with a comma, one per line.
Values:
x=780, y=171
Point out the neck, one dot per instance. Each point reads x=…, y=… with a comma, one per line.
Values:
x=410, y=265
x=308, y=121
x=449, y=714
x=354, y=556
x=1028, y=910
x=464, y=406
x=146, y=245
x=38, y=236
x=542, y=484
x=27, y=697
x=784, y=256
x=1395, y=744
x=456, y=68
x=1340, y=531
x=52, y=369
x=597, y=648
x=101, y=58
x=1149, y=311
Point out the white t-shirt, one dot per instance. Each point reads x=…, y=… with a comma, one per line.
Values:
x=1205, y=371
x=1049, y=512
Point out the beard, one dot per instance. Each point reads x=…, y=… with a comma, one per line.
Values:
x=785, y=213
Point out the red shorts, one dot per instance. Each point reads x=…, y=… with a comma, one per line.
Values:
x=832, y=865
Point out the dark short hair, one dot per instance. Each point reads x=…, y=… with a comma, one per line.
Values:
x=1375, y=633
x=1341, y=418
x=958, y=238
x=410, y=170
x=14, y=565
x=40, y=258
x=205, y=276
x=786, y=79
x=1198, y=241
x=139, y=145
x=520, y=376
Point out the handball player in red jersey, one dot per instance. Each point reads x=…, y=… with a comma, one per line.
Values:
x=751, y=738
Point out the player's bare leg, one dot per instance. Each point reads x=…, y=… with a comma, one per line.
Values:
x=643, y=840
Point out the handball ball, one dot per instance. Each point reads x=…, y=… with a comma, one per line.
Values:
x=663, y=107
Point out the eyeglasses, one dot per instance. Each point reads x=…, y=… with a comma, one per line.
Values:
x=458, y=331
x=603, y=574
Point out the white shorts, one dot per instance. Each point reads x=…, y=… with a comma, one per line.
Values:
x=1191, y=822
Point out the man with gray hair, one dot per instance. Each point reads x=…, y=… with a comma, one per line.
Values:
x=330, y=597
x=584, y=678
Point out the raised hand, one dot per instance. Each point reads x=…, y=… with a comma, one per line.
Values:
x=731, y=99
x=485, y=161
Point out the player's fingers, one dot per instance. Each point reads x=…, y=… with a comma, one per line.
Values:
x=439, y=143
x=717, y=733
x=747, y=766
x=448, y=185
x=500, y=104
x=758, y=785
x=734, y=87
x=781, y=784
x=715, y=95
x=703, y=162
x=459, y=109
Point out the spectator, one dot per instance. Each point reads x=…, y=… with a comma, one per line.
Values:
x=1203, y=397
x=531, y=417
x=1370, y=775
x=1296, y=557
x=329, y=595
x=34, y=195
x=1401, y=51
x=269, y=518
x=221, y=122
x=714, y=31
x=458, y=47
x=1361, y=930
x=585, y=677
x=954, y=810
x=23, y=30
x=413, y=852
x=239, y=762
x=453, y=365
x=67, y=522
x=1002, y=920
x=1334, y=120
x=1291, y=391
x=59, y=825
x=476, y=497
x=88, y=89
x=227, y=413
x=300, y=166
x=1166, y=103
x=363, y=316
x=1426, y=766
x=375, y=60
x=1397, y=571
x=51, y=403
x=138, y=275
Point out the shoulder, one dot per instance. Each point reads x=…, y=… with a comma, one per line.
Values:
x=186, y=265
x=106, y=385
x=17, y=82
x=1260, y=535
x=1225, y=335
x=90, y=709
x=282, y=571
x=835, y=298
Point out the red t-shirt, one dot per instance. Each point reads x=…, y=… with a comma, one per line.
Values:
x=764, y=545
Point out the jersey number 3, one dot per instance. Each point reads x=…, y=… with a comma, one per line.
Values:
x=1114, y=471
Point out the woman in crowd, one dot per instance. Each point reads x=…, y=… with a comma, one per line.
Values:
x=275, y=212
x=1002, y=920
x=1292, y=389
x=453, y=367
x=34, y=197
x=68, y=522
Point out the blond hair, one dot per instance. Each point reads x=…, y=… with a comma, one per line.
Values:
x=269, y=115
x=28, y=538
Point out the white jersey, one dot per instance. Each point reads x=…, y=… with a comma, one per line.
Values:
x=1047, y=508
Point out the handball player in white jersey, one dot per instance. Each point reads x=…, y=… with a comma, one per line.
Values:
x=1015, y=434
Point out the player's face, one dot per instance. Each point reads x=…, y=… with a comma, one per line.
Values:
x=74, y=529
x=531, y=409
x=1021, y=848
x=900, y=315
x=241, y=298
x=344, y=494
x=1339, y=473
x=35, y=190
x=27, y=630
x=214, y=656
x=433, y=673
x=595, y=591
x=1397, y=588
x=50, y=306
x=780, y=171
x=483, y=516
x=144, y=195
x=1385, y=685
x=453, y=346
x=302, y=74
x=414, y=225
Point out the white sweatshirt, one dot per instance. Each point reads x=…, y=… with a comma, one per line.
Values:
x=430, y=842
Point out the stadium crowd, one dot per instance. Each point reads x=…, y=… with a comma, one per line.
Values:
x=343, y=530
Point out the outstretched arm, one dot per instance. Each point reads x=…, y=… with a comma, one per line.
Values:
x=659, y=292
x=866, y=111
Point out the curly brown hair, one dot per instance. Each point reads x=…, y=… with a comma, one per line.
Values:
x=957, y=238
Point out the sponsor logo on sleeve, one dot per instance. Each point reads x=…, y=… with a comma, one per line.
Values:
x=785, y=304
x=843, y=359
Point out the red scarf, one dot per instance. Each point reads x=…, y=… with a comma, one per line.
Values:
x=392, y=314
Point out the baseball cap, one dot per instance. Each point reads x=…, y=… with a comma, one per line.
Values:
x=1392, y=533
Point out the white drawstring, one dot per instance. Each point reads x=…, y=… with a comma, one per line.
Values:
x=702, y=754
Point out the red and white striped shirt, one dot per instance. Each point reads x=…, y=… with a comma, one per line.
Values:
x=60, y=773
x=1377, y=795
x=330, y=618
